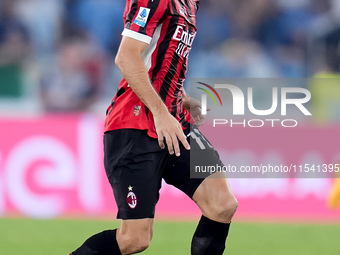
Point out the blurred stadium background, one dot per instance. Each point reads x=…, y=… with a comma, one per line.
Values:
x=57, y=76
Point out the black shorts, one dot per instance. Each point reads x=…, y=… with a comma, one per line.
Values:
x=135, y=165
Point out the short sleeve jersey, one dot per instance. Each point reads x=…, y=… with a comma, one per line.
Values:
x=169, y=27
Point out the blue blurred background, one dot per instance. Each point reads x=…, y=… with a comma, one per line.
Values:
x=58, y=55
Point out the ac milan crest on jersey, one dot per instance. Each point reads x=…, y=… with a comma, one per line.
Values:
x=136, y=111
x=131, y=198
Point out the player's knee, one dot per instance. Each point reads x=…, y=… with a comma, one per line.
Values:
x=138, y=244
x=134, y=243
x=223, y=211
x=231, y=207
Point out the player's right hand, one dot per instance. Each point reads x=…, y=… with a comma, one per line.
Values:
x=168, y=129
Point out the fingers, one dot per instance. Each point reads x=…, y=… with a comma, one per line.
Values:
x=200, y=120
x=175, y=146
x=161, y=141
x=170, y=131
x=172, y=142
x=198, y=116
x=168, y=140
x=184, y=141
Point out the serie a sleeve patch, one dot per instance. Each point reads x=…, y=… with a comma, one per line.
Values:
x=142, y=16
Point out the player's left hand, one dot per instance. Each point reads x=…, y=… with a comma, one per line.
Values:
x=194, y=107
x=199, y=118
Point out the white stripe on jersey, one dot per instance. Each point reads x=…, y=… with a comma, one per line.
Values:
x=137, y=36
x=147, y=54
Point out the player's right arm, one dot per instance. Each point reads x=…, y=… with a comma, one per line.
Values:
x=130, y=63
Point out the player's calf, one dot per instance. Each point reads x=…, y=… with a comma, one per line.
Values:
x=103, y=243
x=218, y=206
x=210, y=237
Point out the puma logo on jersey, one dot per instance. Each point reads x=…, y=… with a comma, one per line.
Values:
x=184, y=11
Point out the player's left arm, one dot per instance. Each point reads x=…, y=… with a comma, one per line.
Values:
x=194, y=107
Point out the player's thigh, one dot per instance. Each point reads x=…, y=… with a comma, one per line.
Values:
x=133, y=163
x=178, y=170
x=212, y=194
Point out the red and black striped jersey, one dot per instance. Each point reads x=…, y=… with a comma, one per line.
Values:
x=169, y=27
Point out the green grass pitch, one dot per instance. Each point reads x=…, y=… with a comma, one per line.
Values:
x=59, y=237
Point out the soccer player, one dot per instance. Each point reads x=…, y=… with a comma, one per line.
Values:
x=146, y=131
